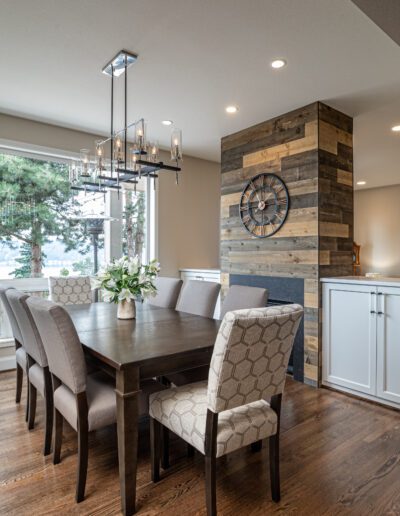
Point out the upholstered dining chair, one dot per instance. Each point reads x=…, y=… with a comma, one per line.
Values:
x=198, y=297
x=86, y=401
x=71, y=290
x=168, y=290
x=39, y=379
x=239, y=297
x=20, y=353
x=241, y=402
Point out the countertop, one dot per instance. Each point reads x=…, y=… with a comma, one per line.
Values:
x=395, y=282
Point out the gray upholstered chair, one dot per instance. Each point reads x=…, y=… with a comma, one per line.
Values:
x=198, y=297
x=239, y=297
x=87, y=402
x=20, y=354
x=168, y=290
x=241, y=402
x=39, y=379
x=71, y=290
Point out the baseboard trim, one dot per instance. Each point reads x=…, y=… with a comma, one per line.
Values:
x=7, y=363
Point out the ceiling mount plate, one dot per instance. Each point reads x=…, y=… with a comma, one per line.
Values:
x=117, y=63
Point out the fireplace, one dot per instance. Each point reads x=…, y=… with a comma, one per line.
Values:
x=281, y=291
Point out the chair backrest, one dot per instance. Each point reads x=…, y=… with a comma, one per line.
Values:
x=10, y=314
x=30, y=335
x=167, y=292
x=70, y=290
x=61, y=342
x=239, y=297
x=198, y=297
x=251, y=355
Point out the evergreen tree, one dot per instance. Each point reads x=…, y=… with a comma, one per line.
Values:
x=134, y=223
x=35, y=204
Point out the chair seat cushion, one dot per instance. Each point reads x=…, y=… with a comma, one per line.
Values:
x=102, y=405
x=184, y=410
x=20, y=356
x=36, y=377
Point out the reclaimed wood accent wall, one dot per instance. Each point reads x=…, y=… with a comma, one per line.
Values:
x=311, y=150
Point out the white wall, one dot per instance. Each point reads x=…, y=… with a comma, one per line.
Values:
x=377, y=229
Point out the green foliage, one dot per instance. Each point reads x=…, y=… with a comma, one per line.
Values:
x=25, y=261
x=134, y=217
x=64, y=272
x=45, y=203
x=84, y=267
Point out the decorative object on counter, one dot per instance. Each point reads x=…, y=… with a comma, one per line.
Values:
x=131, y=154
x=373, y=275
x=125, y=280
x=356, y=259
x=264, y=205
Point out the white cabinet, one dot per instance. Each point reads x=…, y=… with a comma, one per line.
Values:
x=361, y=338
x=388, y=344
x=204, y=275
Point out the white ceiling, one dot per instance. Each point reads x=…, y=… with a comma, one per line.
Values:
x=196, y=57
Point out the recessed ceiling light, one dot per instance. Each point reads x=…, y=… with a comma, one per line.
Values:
x=231, y=109
x=361, y=183
x=278, y=63
x=396, y=128
x=166, y=122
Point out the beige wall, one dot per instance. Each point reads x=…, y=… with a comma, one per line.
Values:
x=377, y=229
x=188, y=215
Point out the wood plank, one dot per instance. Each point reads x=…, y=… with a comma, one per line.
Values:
x=277, y=152
x=332, y=229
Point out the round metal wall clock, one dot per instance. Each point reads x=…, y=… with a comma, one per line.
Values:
x=264, y=205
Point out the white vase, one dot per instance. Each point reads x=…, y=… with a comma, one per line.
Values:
x=126, y=309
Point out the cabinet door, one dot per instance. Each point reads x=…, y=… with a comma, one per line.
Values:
x=349, y=336
x=388, y=359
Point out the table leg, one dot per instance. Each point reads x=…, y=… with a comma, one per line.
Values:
x=127, y=391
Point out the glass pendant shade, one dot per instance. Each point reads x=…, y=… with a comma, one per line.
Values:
x=99, y=157
x=153, y=151
x=140, y=136
x=73, y=173
x=176, y=145
x=85, y=162
x=118, y=149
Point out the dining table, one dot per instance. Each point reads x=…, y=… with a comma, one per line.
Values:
x=158, y=342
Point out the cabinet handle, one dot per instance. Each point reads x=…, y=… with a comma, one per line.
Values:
x=373, y=293
x=380, y=293
x=381, y=313
x=372, y=312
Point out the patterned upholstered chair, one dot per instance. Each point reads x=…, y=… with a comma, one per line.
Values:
x=39, y=379
x=71, y=290
x=239, y=297
x=20, y=353
x=168, y=290
x=241, y=402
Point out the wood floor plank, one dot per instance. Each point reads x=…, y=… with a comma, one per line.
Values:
x=339, y=456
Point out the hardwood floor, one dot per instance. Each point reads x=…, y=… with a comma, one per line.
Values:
x=339, y=455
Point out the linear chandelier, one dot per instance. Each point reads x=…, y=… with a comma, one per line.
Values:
x=132, y=155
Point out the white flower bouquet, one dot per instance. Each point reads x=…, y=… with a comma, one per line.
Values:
x=126, y=279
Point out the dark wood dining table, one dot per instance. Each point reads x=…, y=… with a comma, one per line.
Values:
x=159, y=341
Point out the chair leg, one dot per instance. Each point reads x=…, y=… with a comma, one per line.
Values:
x=32, y=405
x=256, y=447
x=27, y=397
x=48, y=403
x=211, y=486
x=155, y=441
x=58, y=429
x=165, y=448
x=274, y=467
x=190, y=450
x=82, y=464
x=20, y=375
